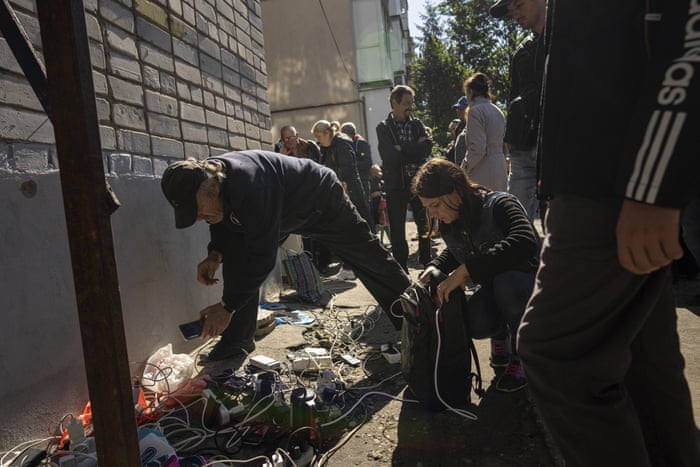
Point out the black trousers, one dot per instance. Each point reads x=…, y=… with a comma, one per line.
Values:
x=396, y=203
x=340, y=228
x=600, y=348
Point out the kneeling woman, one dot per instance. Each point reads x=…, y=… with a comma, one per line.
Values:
x=490, y=242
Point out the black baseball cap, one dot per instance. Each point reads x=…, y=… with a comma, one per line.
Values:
x=499, y=9
x=180, y=183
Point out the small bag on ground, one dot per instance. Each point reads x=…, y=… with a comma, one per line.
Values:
x=303, y=276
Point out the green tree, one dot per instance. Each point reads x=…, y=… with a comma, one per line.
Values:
x=481, y=42
x=472, y=41
x=437, y=76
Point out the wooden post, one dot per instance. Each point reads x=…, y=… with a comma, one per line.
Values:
x=88, y=204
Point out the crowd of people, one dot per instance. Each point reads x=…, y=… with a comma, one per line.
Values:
x=600, y=138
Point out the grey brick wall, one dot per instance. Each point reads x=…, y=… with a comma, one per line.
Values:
x=172, y=80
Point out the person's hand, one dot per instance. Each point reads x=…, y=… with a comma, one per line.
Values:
x=397, y=147
x=647, y=236
x=215, y=319
x=456, y=279
x=207, y=268
x=427, y=274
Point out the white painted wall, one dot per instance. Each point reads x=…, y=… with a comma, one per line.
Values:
x=42, y=372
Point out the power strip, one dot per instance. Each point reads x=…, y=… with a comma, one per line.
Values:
x=264, y=363
x=311, y=358
x=390, y=353
x=277, y=461
x=308, y=362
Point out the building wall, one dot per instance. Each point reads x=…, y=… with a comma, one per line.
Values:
x=173, y=78
x=310, y=77
x=339, y=68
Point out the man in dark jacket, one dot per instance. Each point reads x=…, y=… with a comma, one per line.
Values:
x=363, y=156
x=457, y=148
x=291, y=144
x=404, y=145
x=252, y=200
x=524, y=96
x=619, y=159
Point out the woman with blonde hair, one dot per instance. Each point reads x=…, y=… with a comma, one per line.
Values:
x=337, y=153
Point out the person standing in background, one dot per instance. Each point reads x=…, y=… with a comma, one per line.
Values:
x=404, y=145
x=291, y=144
x=363, y=156
x=485, y=162
x=524, y=99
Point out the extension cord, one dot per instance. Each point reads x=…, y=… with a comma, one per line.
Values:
x=391, y=354
x=307, y=362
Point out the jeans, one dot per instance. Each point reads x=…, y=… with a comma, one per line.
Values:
x=522, y=181
x=499, y=305
x=396, y=203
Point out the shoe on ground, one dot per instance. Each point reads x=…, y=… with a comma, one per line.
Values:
x=499, y=354
x=513, y=379
x=225, y=349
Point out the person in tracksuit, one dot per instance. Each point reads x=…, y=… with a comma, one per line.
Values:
x=618, y=152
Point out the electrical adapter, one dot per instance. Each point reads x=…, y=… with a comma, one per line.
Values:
x=265, y=363
x=390, y=353
x=76, y=432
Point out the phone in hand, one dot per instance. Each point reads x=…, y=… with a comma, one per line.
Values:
x=192, y=329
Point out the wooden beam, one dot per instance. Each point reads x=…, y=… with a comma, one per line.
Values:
x=88, y=204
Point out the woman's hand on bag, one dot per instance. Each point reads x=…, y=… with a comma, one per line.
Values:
x=456, y=279
x=207, y=268
x=215, y=320
x=427, y=274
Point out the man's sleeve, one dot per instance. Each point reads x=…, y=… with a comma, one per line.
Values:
x=418, y=152
x=661, y=162
x=389, y=155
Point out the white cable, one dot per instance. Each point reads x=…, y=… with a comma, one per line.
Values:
x=21, y=447
x=241, y=461
x=461, y=412
x=371, y=393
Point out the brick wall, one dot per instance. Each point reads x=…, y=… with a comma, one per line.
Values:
x=172, y=78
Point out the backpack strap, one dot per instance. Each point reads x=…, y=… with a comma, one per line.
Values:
x=475, y=378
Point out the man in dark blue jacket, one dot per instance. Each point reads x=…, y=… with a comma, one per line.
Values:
x=618, y=153
x=252, y=200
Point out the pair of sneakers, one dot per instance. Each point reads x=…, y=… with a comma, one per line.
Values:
x=513, y=378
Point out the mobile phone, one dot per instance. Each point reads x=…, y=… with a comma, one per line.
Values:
x=191, y=330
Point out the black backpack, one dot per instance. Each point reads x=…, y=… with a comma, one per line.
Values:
x=452, y=349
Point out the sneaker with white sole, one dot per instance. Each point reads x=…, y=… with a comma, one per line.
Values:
x=513, y=379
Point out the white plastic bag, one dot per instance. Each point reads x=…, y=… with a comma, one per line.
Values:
x=165, y=371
